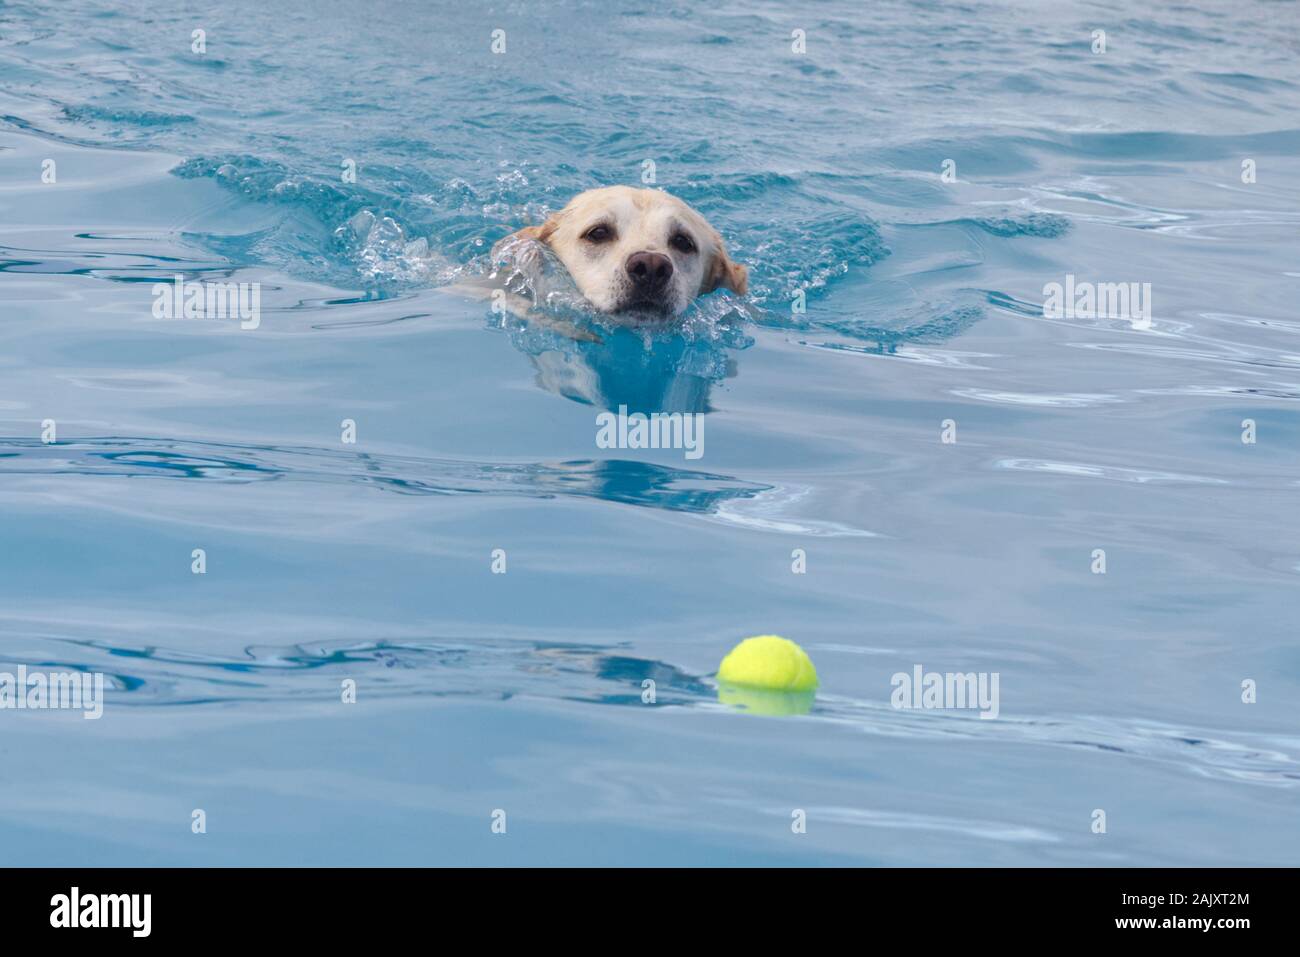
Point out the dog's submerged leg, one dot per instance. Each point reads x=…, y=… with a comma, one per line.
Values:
x=521, y=307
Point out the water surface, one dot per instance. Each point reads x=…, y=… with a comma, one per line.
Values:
x=523, y=691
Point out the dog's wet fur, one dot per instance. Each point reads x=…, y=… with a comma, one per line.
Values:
x=638, y=254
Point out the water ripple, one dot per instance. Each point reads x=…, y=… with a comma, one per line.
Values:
x=1112, y=473
x=1245, y=758
x=500, y=669
x=613, y=480
x=1064, y=401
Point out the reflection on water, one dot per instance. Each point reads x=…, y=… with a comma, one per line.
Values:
x=614, y=480
x=661, y=373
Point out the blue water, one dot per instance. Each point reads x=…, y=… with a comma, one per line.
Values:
x=522, y=691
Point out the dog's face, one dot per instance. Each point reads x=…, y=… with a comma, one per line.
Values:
x=638, y=251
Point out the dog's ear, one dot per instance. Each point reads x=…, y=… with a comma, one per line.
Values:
x=540, y=233
x=725, y=273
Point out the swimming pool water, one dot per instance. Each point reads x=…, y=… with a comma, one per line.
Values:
x=919, y=469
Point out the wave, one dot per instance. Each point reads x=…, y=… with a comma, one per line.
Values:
x=500, y=669
x=613, y=480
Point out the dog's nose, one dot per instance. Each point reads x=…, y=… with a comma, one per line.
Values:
x=649, y=270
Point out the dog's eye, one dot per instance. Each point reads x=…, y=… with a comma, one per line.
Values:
x=682, y=243
x=598, y=234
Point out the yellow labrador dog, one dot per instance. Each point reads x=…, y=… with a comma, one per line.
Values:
x=633, y=252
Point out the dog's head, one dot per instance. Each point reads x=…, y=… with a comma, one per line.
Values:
x=637, y=251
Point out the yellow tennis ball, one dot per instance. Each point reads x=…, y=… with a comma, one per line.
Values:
x=770, y=663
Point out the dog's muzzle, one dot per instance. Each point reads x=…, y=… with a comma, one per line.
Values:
x=649, y=281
